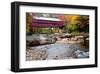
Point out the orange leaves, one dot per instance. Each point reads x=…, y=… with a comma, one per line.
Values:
x=71, y=18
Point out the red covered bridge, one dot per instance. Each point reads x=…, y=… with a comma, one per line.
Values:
x=46, y=22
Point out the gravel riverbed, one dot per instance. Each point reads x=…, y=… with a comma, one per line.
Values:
x=56, y=51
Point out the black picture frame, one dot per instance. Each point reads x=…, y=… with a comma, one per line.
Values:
x=15, y=36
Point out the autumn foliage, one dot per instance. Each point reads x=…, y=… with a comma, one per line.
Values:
x=72, y=23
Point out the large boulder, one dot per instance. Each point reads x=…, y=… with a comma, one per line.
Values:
x=34, y=43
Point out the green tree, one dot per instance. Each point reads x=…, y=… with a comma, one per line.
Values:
x=72, y=28
x=83, y=22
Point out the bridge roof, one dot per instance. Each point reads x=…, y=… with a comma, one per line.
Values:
x=45, y=18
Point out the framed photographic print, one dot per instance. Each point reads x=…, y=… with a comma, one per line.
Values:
x=52, y=36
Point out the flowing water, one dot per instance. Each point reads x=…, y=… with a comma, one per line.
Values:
x=58, y=51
